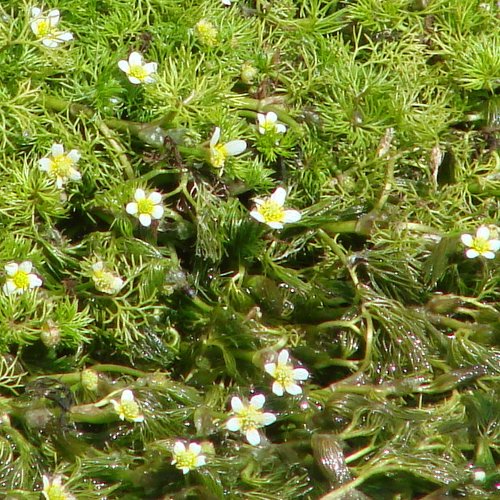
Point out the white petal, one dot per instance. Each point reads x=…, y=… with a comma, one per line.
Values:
x=60, y=182
x=139, y=194
x=270, y=368
x=271, y=117
x=9, y=288
x=215, y=137
x=145, y=219
x=26, y=266
x=34, y=281
x=124, y=66
x=293, y=389
x=74, y=175
x=135, y=59
x=151, y=67
x=277, y=389
x=98, y=266
x=11, y=268
x=195, y=448
x=467, y=239
x=50, y=43
x=237, y=404
x=185, y=470
x=200, y=460
x=35, y=26
x=257, y=216
x=155, y=197
x=66, y=36
x=233, y=424
x=234, y=148
x=45, y=164
x=74, y=155
x=149, y=79
x=131, y=208
x=253, y=437
x=258, y=401
x=488, y=255
x=471, y=253
x=283, y=357
x=275, y=225
x=179, y=447
x=494, y=245
x=259, y=201
x=261, y=119
x=279, y=196
x=127, y=396
x=139, y=418
x=134, y=80
x=57, y=149
x=53, y=17
x=268, y=418
x=300, y=374
x=280, y=128
x=35, y=12
x=483, y=233
x=291, y=216
x=157, y=212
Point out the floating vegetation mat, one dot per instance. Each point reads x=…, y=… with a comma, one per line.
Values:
x=249, y=249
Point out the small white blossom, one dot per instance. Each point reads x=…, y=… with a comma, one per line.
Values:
x=187, y=459
x=104, y=280
x=226, y=2
x=45, y=28
x=20, y=278
x=137, y=70
x=482, y=244
x=286, y=375
x=249, y=417
x=219, y=152
x=60, y=166
x=268, y=123
x=127, y=408
x=271, y=212
x=146, y=208
x=53, y=489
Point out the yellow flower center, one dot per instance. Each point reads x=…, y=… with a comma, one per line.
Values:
x=272, y=211
x=43, y=28
x=186, y=459
x=56, y=492
x=104, y=281
x=207, y=32
x=284, y=374
x=145, y=206
x=129, y=409
x=250, y=418
x=138, y=72
x=21, y=280
x=218, y=155
x=481, y=245
x=61, y=166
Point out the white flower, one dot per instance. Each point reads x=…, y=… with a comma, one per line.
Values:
x=271, y=212
x=267, y=123
x=20, y=278
x=219, y=152
x=481, y=244
x=104, y=280
x=285, y=375
x=127, y=408
x=53, y=489
x=249, y=418
x=187, y=459
x=226, y=2
x=137, y=70
x=44, y=27
x=60, y=166
x=146, y=208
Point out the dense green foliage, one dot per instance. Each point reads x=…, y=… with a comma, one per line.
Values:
x=390, y=154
